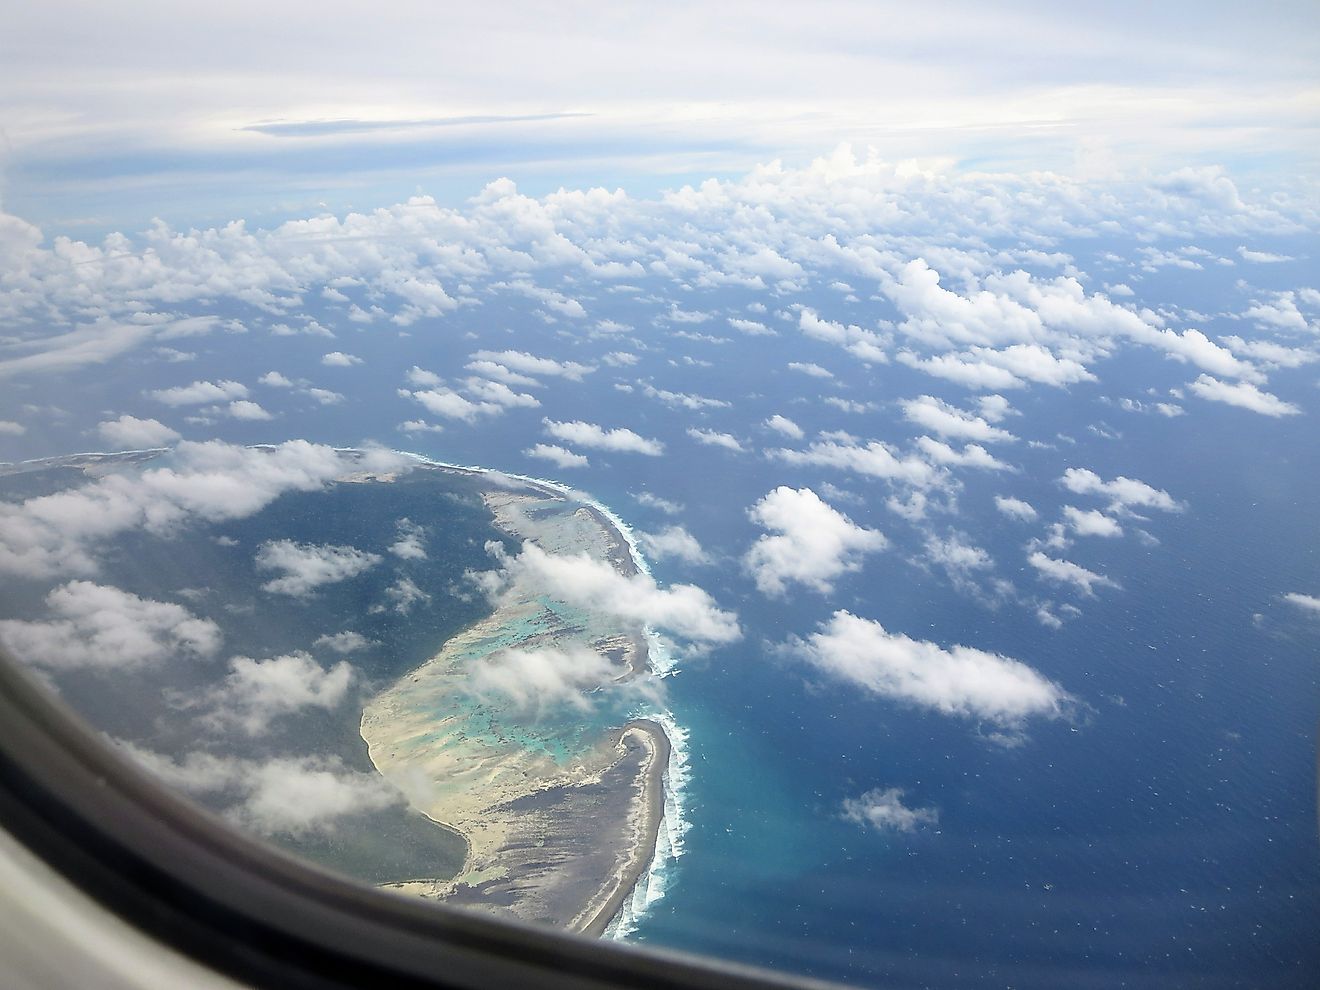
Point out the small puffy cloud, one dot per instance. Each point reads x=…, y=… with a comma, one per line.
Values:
x=257, y=691
x=1090, y=522
x=530, y=364
x=848, y=405
x=338, y=359
x=653, y=501
x=1123, y=493
x=784, y=425
x=130, y=433
x=964, y=370
x=560, y=457
x=487, y=369
x=960, y=680
x=1194, y=347
x=1066, y=572
x=1244, y=395
x=1260, y=257
x=403, y=595
x=1281, y=312
x=973, y=455
x=420, y=426
x=247, y=409
x=750, y=327
x=8, y=428
x=682, y=399
x=884, y=811
x=536, y=680
x=200, y=392
x=1271, y=354
x=324, y=396
x=347, y=641
x=499, y=393
x=810, y=369
x=448, y=403
x=410, y=540
x=97, y=627
x=713, y=438
x=809, y=542
x=274, y=379
x=295, y=796
x=1015, y=508
x=874, y=459
x=995, y=407
x=934, y=414
x=683, y=610
x=865, y=345
x=1307, y=603
x=422, y=378
x=962, y=561
x=306, y=567
x=598, y=438
x=1008, y=367
x=674, y=542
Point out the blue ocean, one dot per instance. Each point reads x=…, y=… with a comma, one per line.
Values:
x=1163, y=834
x=1165, y=837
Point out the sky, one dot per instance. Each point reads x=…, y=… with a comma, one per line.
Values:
x=111, y=116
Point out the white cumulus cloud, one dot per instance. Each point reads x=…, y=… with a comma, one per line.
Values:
x=560, y=457
x=884, y=811
x=960, y=680
x=682, y=610
x=98, y=627
x=598, y=438
x=809, y=542
x=1066, y=572
x=1244, y=395
x=305, y=567
x=257, y=691
x=130, y=433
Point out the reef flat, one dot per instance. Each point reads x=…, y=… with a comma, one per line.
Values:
x=560, y=810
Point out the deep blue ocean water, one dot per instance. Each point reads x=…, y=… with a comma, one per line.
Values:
x=1166, y=838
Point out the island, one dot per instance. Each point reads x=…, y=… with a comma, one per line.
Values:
x=561, y=811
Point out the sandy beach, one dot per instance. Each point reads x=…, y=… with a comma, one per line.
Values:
x=647, y=815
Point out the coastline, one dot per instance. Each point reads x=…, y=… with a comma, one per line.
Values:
x=651, y=812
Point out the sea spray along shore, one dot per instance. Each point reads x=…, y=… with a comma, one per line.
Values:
x=571, y=818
